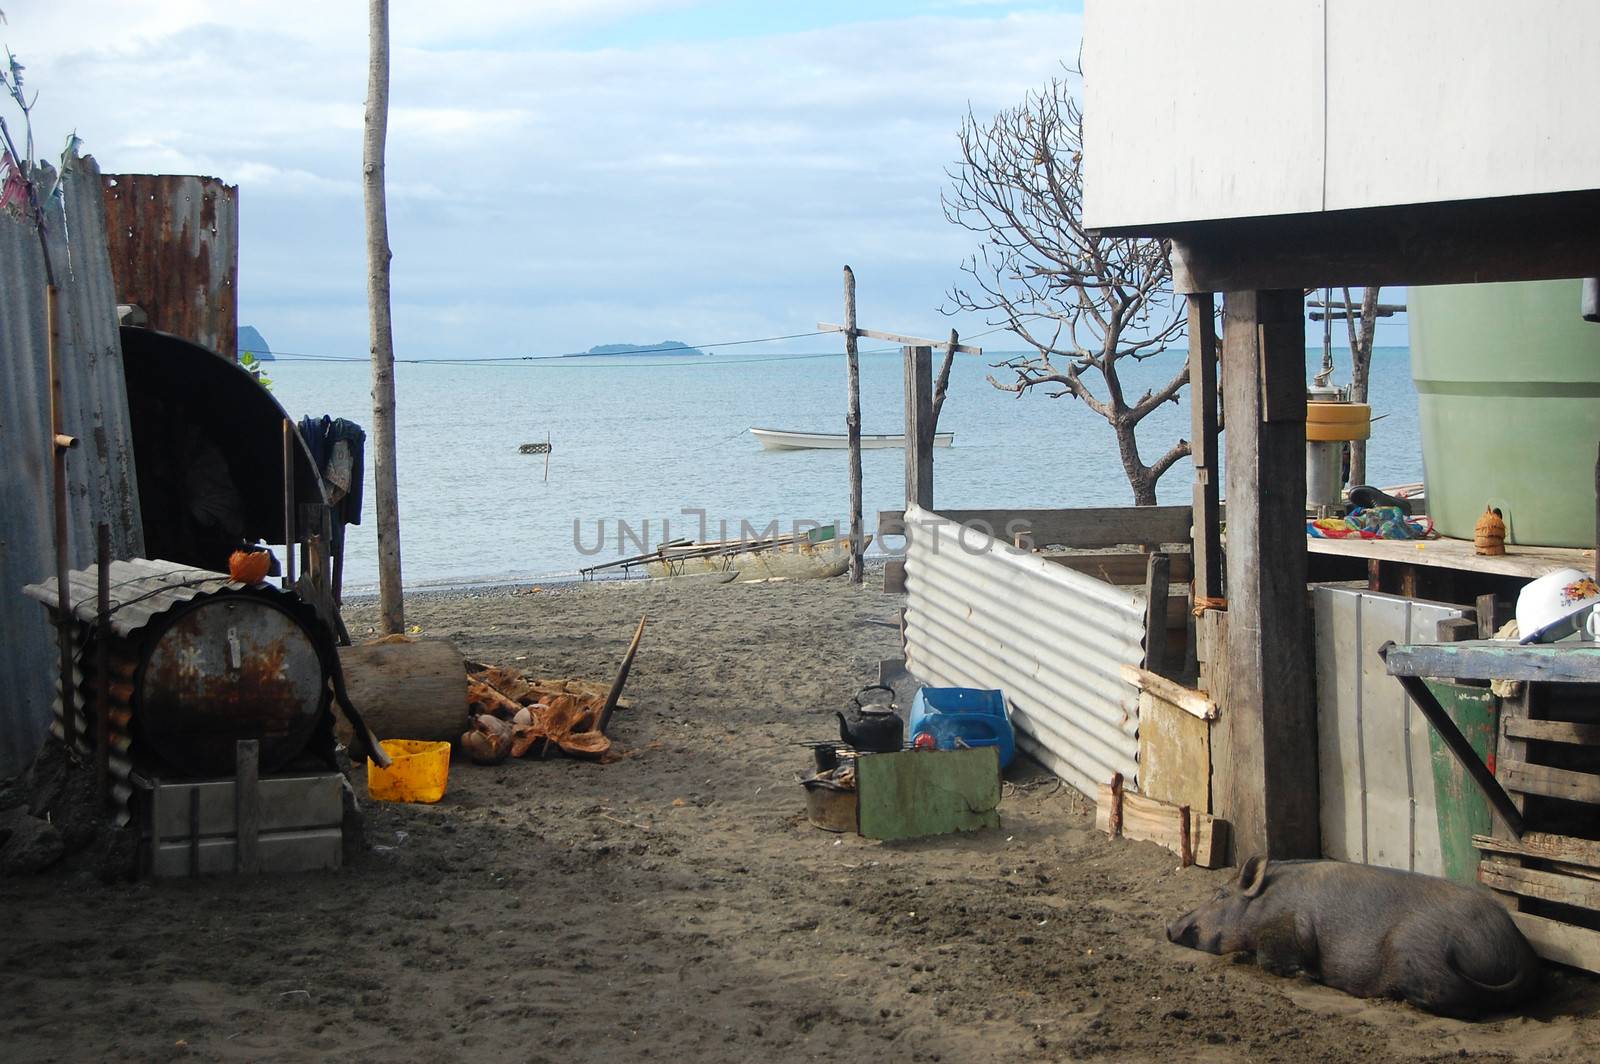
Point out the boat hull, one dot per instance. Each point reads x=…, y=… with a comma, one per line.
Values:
x=788, y=561
x=781, y=440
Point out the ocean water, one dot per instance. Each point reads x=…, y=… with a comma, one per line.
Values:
x=643, y=445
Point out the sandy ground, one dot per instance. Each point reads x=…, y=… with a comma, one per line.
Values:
x=675, y=905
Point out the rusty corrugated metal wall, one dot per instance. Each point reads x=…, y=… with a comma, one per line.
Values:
x=101, y=483
x=174, y=245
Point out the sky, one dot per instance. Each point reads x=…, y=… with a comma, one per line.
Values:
x=561, y=173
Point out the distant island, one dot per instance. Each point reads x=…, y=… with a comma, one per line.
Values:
x=250, y=339
x=673, y=348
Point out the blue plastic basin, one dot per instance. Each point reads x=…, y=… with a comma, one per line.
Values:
x=973, y=716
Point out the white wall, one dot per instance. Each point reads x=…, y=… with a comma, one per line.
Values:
x=1220, y=108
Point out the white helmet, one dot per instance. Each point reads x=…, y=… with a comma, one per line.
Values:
x=1553, y=606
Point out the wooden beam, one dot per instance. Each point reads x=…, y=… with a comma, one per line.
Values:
x=919, y=426
x=1554, y=731
x=1117, y=566
x=897, y=338
x=1550, y=782
x=1271, y=721
x=1497, y=660
x=1185, y=698
x=1544, y=846
x=1203, y=428
x=1513, y=238
x=1545, y=886
x=1086, y=527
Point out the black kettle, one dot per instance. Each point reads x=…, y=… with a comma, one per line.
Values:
x=874, y=728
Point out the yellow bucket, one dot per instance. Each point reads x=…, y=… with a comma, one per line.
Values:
x=418, y=773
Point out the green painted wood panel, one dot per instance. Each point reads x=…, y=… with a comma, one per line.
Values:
x=916, y=793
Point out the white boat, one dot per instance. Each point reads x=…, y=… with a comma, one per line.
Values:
x=796, y=558
x=781, y=440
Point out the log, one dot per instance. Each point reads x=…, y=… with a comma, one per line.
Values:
x=411, y=690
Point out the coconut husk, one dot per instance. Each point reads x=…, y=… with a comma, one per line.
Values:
x=488, y=741
x=585, y=744
x=486, y=699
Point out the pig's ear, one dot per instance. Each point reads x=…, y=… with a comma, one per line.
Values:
x=1253, y=876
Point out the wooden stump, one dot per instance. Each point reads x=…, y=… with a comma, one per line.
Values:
x=410, y=690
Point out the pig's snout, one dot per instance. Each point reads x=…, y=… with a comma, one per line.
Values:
x=1184, y=931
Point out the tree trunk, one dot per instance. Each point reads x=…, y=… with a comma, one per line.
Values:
x=1361, y=373
x=942, y=384
x=386, y=480
x=1139, y=478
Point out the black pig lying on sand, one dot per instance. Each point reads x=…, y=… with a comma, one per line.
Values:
x=1371, y=932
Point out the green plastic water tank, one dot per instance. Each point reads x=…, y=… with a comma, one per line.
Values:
x=1508, y=390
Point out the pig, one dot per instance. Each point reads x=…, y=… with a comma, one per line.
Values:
x=1371, y=932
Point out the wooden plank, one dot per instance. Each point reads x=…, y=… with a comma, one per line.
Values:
x=1146, y=819
x=1510, y=238
x=1174, y=754
x=1550, y=782
x=919, y=426
x=1459, y=554
x=1534, y=883
x=1554, y=731
x=1203, y=445
x=1559, y=942
x=1157, y=576
x=897, y=338
x=1498, y=660
x=1086, y=527
x=894, y=576
x=1117, y=566
x=1193, y=702
x=1544, y=846
x=247, y=806
x=914, y=794
x=1271, y=717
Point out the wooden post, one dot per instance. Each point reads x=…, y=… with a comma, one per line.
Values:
x=1271, y=716
x=1203, y=449
x=102, y=663
x=247, y=806
x=852, y=424
x=1157, y=581
x=385, y=480
x=919, y=426
x=288, y=505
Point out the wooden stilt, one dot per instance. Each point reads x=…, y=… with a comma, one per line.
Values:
x=919, y=426
x=1270, y=715
x=852, y=424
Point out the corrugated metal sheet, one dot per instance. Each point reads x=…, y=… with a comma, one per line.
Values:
x=1374, y=760
x=174, y=244
x=982, y=614
x=142, y=589
x=100, y=470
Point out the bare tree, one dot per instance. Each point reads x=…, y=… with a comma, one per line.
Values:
x=1087, y=304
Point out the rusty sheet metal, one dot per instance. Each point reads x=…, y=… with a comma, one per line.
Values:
x=101, y=482
x=982, y=614
x=174, y=244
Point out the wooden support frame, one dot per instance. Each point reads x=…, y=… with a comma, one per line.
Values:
x=1272, y=797
x=897, y=338
x=1083, y=527
x=1203, y=447
x=1158, y=569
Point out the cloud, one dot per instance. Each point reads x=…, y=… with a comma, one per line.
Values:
x=700, y=188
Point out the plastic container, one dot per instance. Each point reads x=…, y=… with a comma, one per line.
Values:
x=419, y=772
x=1507, y=380
x=973, y=716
